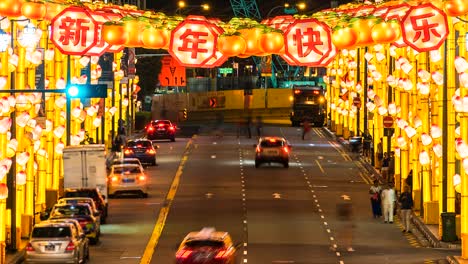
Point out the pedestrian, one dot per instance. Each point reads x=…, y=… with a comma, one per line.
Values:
x=374, y=193
x=367, y=140
x=379, y=152
x=406, y=205
x=391, y=168
x=409, y=180
x=384, y=169
x=345, y=215
x=388, y=197
x=305, y=128
x=259, y=125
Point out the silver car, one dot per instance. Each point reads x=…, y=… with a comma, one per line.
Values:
x=54, y=242
x=85, y=200
x=272, y=150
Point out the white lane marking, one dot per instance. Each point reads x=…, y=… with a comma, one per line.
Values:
x=213, y=156
x=130, y=257
x=209, y=195
x=320, y=186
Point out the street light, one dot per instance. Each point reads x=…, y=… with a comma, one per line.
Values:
x=183, y=5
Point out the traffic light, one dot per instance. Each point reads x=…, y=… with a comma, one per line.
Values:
x=87, y=91
x=184, y=113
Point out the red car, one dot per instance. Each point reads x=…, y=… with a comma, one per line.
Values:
x=161, y=129
x=207, y=246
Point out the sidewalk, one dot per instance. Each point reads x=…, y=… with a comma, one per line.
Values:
x=426, y=234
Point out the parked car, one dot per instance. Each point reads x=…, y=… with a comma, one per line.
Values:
x=127, y=179
x=207, y=246
x=87, y=200
x=56, y=242
x=161, y=129
x=127, y=161
x=272, y=149
x=141, y=149
x=98, y=197
x=83, y=214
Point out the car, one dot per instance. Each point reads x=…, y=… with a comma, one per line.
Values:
x=83, y=214
x=141, y=149
x=56, y=242
x=207, y=246
x=127, y=161
x=272, y=149
x=68, y=220
x=127, y=178
x=87, y=200
x=161, y=129
x=95, y=194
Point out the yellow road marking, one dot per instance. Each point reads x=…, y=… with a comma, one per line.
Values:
x=336, y=146
x=158, y=228
x=320, y=166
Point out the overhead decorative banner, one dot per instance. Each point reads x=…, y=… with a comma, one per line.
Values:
x=101, y=46
x=425, y=27
x=193, y=43
x=307, y=42
x=74, y=31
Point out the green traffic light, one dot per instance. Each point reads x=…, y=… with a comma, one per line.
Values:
x=73, y=91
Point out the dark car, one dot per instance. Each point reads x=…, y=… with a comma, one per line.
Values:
x=161, y=129
x=141, y=149
x=99, y=199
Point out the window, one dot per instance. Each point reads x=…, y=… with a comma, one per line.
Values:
x=204, y=243
x=271, y=144
x=51, y=231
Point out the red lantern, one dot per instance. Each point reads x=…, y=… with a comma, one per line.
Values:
x=3, y=191
x=307, y=42
x=397, y=12
x=33, y=10
x=425, y=27
x=74, y=31
x=10, y=8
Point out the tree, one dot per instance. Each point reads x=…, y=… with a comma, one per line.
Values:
x=148, y=69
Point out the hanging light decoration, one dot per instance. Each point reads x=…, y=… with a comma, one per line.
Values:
x=462, y=148
x=359, y=87
x=392, y=109
x=3, y=82
x=3, y=191
x=12, y=146
x=423, y=88
x=60, y=102
x=401, y=141
x=58, y=131
x=125, y=102
x=21, y=178
x=76, y=112
x=437, y=148
x=75, y=140
x=97, y=121
x=406, y=67
x=397, y=152
x=424, y=75
x=370, y=106
x=436, y=132
x=5, y=124
x=392, y=81
x=457, y=131
x=382, y=110
x=465, y=165
x=410, y=131
x=407, y=85
x=464, y=79
x=22, y=119
x=461, y=65
x=401, y=123
x=424, y=158
x=59, y=148
x=438, y=78
x=426, y=139
x=49, y=54
x=417, y=122
x=435, y=56
x=22, y=158
x=370, y=94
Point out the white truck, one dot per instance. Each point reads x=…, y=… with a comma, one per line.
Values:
x=85, y=167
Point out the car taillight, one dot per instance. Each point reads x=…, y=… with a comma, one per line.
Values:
x=221, y=254
x=171, y=128
x=258, y=149
x=150, y=151
x=150, y=129
x=285, y=149
x=161, y=125
x=128, y=151
x=29, y=247
x=183, y=254
x=70, y=246
x=141, y=178
x=115, y=178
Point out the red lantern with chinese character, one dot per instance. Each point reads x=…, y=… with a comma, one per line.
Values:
x=33, y=10
x=307, y=42
x=456, y=7
x=425, y=27
x=231, y=45
x=114, y=33
x=193, y=42
x=101, y=45
x=3, y=191
x=74, y=31
x=344, y=37
x=10, y=8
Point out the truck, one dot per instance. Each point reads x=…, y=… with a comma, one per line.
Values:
x=309, y=104
x=85, y=167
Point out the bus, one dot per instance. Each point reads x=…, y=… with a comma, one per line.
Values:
x=308, y=103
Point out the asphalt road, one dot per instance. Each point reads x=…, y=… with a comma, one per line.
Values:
x=278, y=215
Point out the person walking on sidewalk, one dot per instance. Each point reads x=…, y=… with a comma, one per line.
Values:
x=385, y=165
x=388, y=203
x=406, y=205
x=374, y=193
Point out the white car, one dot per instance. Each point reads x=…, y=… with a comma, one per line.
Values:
x=127, y=161
x=127, y=179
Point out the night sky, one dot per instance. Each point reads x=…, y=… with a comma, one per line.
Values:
x=222, y=8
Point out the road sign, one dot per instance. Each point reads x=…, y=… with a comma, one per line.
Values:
x=388, y=121
x=213, y=102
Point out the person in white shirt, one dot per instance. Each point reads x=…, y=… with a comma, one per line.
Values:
x=388, y=202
